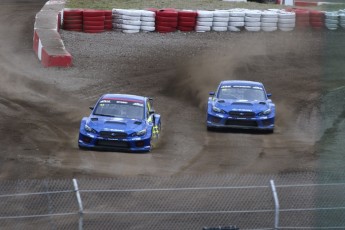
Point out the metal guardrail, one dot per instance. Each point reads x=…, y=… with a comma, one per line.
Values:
x=211, y=202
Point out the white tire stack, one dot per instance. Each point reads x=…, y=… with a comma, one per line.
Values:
x=342, y=18
x=147, y=19
x=269, y=21
x=220, y=21
x=332, y=20
x=252, y=20
x=204, y=21
x=127, y=21
x=286, y=21
x=236, y=20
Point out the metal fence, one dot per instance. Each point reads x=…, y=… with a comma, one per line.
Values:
x=289, y=201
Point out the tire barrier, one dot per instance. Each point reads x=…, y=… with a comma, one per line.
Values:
x=332, y=20
x=286, y=21
x=302, y=18
x=269, y=21
x=93, y=21
x=47, y=43
x=186, y=20
x=148, y=20
x=166, y=20
x=220, y=20
x=204, y=21
x=126, y=21
x=170, y=20
x=73, y=20
x=317, y=19
x=252, y=20
x=342, y=18
x=108, y=23
x=236, y=20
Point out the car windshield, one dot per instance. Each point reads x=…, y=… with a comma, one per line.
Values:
x=247, y=93
x=120, y=108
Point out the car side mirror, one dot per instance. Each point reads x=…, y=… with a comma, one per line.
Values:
x=151, y=112
x=211, y=93
x=91, y=107
x=269, y=95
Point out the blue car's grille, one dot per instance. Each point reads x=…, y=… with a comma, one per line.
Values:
x=248, y=123
x=241, y=114
x=116, y=135
x=112, y=143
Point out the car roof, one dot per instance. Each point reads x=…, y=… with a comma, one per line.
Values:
x=241, y=82
x=123, y=97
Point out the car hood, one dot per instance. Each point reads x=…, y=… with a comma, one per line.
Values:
x=241, y=105
x=100, y=123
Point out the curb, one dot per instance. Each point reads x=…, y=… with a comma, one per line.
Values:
x=47, y=42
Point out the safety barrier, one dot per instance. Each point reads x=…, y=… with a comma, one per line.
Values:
x=51, y=51
x=47, y=42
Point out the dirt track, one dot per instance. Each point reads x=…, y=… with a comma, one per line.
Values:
x=40, y=109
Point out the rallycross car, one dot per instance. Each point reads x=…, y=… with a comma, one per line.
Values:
x=120, y=122
x=240, y=104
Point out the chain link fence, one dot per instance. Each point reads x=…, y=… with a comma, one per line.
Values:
x=302, y=201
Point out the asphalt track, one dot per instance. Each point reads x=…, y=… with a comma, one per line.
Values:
x=40, y=109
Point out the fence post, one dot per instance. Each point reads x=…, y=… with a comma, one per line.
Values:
x=77, y=193
x=276, y=203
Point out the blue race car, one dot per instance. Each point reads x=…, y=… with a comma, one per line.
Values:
x=240, y=104
x=120, y=122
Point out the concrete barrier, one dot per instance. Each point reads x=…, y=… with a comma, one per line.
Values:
x=47, y=42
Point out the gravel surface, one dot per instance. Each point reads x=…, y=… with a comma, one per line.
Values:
x=41, y=108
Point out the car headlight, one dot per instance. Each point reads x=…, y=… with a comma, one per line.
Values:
x=266, y=112
x=217, y=110
x=140, y=133
x=89, y=129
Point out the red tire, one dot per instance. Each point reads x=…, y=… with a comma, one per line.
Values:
x=93, y=23
x=165, y=13
x=317, y=19
x=93, y=27
x=165, y=29
x=75, y=26
x=167, y=24
x=185, y=29
x=316, y=13
x=108, y=27
x=169, y=9
x=166, y=19
x=187, y=24
x=187, y=14
x=108, y=13
x=80, y=17
x=93, y=31
x=302, y=13
x=93, y=13
x=67, y=13
x=72, y=22
x=108, y=22
x=98, y=18
x=317, y=24
x=186, y=19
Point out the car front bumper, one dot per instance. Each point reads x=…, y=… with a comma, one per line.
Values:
x=257, y=123
x=136, y=144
